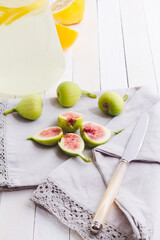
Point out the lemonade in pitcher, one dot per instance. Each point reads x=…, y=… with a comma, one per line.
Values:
x=31, y=58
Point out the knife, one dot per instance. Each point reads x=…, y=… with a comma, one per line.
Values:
x=130, y=153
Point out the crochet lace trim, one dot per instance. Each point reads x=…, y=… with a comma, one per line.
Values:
x=6, y=183
x=4, y=180
x=55, y=199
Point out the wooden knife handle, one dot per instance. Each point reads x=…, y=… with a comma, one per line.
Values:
x=109, y=196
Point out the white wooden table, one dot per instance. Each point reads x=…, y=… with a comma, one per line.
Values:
x=118, y=46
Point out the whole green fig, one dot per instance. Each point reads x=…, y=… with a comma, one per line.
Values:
x=111, y=103
x=30, y=107
x=68, y=93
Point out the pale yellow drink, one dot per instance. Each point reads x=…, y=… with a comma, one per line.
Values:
x=31, y=58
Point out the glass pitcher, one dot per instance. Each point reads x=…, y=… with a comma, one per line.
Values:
x=31, y=57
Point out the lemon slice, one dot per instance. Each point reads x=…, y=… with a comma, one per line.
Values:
x=68, y=12
x=67, y=36
x=11, y=14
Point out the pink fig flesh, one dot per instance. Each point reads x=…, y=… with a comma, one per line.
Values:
x=72, y=141
x=70, y=121
x=50, y=132
x=94, y=132
x=73, y=145
x=49, y=136
x=70, y=117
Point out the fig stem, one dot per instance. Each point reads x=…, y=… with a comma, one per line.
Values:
x=9, y=111
x=116, y=132
x=125, y=97
x=84, y=158
x=83, y=92
x=29, y=138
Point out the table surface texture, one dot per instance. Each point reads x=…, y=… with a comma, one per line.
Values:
x=118, y=47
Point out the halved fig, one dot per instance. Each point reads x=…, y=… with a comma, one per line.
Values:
x=49, y=136
x=70, y=121
x=73, y=145
x=94, y=134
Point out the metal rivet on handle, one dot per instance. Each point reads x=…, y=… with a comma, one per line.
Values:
x=96, y=227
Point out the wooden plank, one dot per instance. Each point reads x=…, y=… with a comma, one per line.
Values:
x=111, y=54
x=49, y=227
x=16, y=212
x=112, y=60
x=16, y=216
x=86, y=55
x=86, y=58
x=152, y=16
x=137, y=48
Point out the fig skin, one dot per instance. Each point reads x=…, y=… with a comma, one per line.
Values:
x=70, y=127
x=71, y=152
x=68, y=93
x=91, y=143
x=111, y=103
x=30, y=107
x=48, y=141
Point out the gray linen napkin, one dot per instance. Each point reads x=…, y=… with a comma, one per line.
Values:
x=73, y=190
x=25, y=164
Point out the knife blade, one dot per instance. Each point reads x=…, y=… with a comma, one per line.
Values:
x=130, y=153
